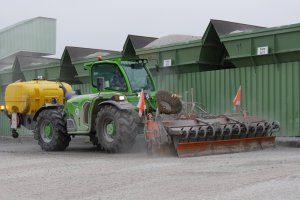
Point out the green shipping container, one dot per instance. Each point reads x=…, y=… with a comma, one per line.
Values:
x=264, y=46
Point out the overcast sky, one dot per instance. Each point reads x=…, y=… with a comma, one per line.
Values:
x=105, y=24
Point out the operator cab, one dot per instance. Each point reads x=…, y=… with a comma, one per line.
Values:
x=129, y=76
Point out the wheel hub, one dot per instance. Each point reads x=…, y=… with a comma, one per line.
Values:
x=109, y=130
x=47, y=131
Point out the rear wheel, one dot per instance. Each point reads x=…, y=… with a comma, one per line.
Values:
x=51, y=130
x=116, y=129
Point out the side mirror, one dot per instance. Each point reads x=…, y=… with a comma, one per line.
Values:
x=157, y=68
x=78, y=92
x=100, y=83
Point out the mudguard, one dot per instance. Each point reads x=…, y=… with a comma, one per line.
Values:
x=46, y=106
x=122, y=105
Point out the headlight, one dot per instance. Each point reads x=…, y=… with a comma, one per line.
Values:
x=118, y=98
x=121, y=98
x=2, y=107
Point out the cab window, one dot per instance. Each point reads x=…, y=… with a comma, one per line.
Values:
x=113, y=77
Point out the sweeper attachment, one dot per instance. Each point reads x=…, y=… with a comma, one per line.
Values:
x=199, y=133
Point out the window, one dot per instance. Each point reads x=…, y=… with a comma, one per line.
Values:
x=113, y=77
x=138, y=76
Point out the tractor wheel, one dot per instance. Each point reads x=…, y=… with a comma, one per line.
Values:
x=116, y=129
x=51, y=130
x=168, y=103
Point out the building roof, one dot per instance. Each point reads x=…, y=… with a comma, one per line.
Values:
x=77, y=53
x=134, y=42
x=172, y=39
x=28, y=61
x=226, y=27
x=24, y=22
x=140, y=41
x=8, y=61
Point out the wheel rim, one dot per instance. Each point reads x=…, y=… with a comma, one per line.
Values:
x=109, y=130
x=46, y=131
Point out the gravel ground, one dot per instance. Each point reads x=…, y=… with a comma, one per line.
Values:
x=83, y=172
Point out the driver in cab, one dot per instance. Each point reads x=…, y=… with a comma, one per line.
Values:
x=117, y=81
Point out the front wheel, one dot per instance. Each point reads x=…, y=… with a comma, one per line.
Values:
x=51, y=130
x=116, y=129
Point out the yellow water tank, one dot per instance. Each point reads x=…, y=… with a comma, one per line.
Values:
x=27, y=97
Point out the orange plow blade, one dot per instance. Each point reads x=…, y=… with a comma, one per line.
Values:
x=190, y=149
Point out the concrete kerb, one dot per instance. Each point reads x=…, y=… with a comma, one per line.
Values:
x=21, y=139
x=288, y=141
x=280, y=141
x=29, y=138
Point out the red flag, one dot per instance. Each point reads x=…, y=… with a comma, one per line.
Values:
x=141, y=105
x=237, y=98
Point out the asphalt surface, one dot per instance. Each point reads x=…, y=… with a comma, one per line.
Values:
x=84, y=172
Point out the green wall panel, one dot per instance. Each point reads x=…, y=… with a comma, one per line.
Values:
x=4, y=125
x=84, y=88
x=270, y=91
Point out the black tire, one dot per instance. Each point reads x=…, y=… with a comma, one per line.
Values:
x=116, y=129
x=57, y=139
x=168, y=103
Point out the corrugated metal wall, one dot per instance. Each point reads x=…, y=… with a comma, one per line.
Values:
x=271, y=91
x=4, y=125
x=4, y=122
x=84, y=88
